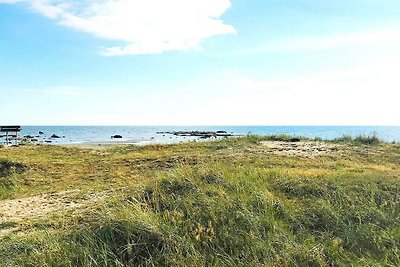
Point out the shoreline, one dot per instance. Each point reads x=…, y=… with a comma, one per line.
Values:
x=100, y=136
x=162, y=138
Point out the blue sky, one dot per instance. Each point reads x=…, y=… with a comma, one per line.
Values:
x=199, y=62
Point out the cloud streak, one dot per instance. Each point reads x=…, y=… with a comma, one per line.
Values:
x=334, y=41
x=140, y=27
x=61, y=91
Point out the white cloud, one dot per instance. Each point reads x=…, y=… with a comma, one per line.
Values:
x=364, y=95
x=10, y=1
x=141, y=26
x=387, y=35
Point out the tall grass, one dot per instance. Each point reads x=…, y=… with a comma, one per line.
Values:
x=360, y=139
x=219, y=214
x=8, y=171
x=220, y=203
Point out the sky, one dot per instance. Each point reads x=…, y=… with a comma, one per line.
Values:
x=199, y=62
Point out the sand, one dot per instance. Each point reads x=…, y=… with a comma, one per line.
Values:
x=16, y=210
x=302, y=148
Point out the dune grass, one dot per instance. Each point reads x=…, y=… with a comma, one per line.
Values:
x=221, y=203
x=360, y=139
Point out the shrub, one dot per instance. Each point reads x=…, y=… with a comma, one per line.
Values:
x=7, y=168
x=360, y=139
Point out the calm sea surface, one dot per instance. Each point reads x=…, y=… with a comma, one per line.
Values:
x=148, y=134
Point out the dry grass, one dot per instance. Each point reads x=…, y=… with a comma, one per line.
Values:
x=221, y=203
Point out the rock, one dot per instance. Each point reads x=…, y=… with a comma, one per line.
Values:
x=40, y=132
x=49, y=141
x=200, y=134
x=205, y=136
x=55, y=136
x=116, y=136
x=295, y=140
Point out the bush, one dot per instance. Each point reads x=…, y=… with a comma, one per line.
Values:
x=8, y=168
x=367, y=140
x=360, y=139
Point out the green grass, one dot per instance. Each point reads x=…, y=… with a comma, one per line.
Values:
x=8, y=171
x=360, y=140
x=221, y=203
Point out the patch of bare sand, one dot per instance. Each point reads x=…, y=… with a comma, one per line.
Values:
x=17, y=210
x=303, y=148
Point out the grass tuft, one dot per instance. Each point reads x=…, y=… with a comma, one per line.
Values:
x=8, y=168
x=360, y=140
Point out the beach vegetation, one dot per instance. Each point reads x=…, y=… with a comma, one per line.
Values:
x=360, y=139
x=230, y=202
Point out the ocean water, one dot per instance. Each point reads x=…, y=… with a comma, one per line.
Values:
x=148, y=134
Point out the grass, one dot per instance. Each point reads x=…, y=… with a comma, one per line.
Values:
x=8, y=170
x=360, y=140
x=220, y=203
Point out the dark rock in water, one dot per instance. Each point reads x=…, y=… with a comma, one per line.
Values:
x=40, y=132
x=201, y=134
x=55, y=136
x=34, y=140
x=28, y=136
x=49, y=141
x=116, y=136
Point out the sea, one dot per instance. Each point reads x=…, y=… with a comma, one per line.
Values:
x=151, y=134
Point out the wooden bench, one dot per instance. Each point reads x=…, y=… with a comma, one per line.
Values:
x=10, y=129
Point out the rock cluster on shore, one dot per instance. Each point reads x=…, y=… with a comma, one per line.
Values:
x=41, y=138
x=201, y=134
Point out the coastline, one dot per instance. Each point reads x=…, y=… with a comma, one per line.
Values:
x=92, y=135
x=103, y=143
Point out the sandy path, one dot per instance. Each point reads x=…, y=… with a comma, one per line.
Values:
x=17, y=210
x=302, y=148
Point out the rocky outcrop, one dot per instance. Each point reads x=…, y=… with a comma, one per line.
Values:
x=200, y=134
